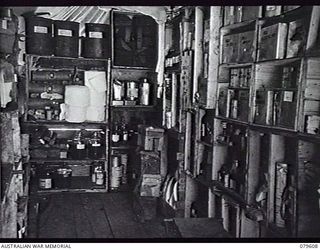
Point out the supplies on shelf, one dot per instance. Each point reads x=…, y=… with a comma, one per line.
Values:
x=236, y=14
x=240, y=77
x=272, y=42
x=131, y=93
x=297, y=35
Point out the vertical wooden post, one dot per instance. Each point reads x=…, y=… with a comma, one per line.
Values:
x=314, y=28
x=198, y=50
x=277, y=152
x=174, y=100
x=215, y=24
x=250, y=228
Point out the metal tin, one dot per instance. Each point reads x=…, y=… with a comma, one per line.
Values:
x=39, y=39
x=97, y=43
x=66, y=36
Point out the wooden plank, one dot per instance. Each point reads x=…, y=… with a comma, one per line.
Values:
x=81, y=222
x=314, y=28
x=94, y=210
x=198, y=50
x=250, y=228
x=215, y=24
x=277, y=148
x=56, y=221
x=205, y=228
x=122, y=220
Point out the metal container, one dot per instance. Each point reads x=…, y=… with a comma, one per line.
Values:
x=145, y=92
x=97, y=43
x=132, y=90
x=39, y=39
x=66, y=36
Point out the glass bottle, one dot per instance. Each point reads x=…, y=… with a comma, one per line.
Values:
x=95, y=146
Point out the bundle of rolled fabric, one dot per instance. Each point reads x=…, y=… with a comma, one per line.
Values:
x=97, y=84
x=77, y=100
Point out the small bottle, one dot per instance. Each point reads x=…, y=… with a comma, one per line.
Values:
x=115, y=135
x=125, y=133
x=144, y=92
x=99, y=175
x=95, y=146
x=78, y=148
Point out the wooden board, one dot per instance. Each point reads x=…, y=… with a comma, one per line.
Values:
x=122, y=220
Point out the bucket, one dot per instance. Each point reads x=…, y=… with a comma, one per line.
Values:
x=97, y=43
x=66, y=36
x=39, y=39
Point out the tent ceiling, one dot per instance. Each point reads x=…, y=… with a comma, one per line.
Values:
x=92, y=14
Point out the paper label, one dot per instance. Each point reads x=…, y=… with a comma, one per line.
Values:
x=95, y=34
x=4, y=24
x=96, y=144
x=63, y=32
x=80, y=146
x=288, y=96
x=40, y=29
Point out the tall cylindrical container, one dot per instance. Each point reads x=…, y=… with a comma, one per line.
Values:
x=97, y=43
x=66, y=36
x=145, y=92
x=39, y=36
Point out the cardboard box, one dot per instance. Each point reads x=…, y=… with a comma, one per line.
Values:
x=150, y=185
x=150, y=138
x=243, y=105
x=272, y=42
x=222, y=101
x=263, y=107
x=246, y=46
x=297, y=35
x=230, y=48
x=150, y=162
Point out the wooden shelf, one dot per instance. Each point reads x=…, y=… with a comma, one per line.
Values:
x=239, y=88
x=273, y=129
x=205, y=143
x=77, y=184
x=133, y=107
x=236, y=65
x=64, y=123
x=54, y=62
x=309, y=137
x=66, y=160
x=231, y=120
x=280, y=62
x=249, y=24
x=123, y=147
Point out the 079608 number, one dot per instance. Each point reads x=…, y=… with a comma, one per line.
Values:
x=308, y=245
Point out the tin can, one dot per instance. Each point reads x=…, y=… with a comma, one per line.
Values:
x=97, y=43
x=66, y=36
x=39, y=39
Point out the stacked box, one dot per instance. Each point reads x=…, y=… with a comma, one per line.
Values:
x=272, y=42
x=230, y=48
x=246, y=46
x=150, y=185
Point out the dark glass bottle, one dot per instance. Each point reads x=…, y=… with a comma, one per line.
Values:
x=95, y=148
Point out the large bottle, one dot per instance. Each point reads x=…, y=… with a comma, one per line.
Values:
x=95, y=146
x=78, y=147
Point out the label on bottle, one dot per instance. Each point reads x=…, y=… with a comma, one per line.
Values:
x=40, y=29
x=125, y=137
x=99, y=178
x=63, y=32
x=63, y=154
x=81, y=146
x=95, y=34
x=45, y=183
x=115, y=137
x=4, y=24
x=95, y=144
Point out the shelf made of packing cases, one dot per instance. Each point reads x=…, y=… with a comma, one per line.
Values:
x=52, y=62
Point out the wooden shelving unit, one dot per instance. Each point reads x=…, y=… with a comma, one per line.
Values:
x=278, y=149
x=62, y=129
